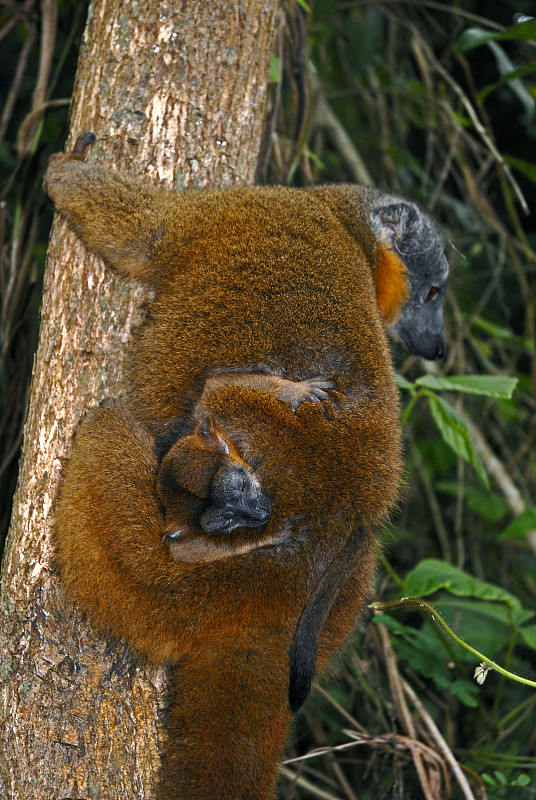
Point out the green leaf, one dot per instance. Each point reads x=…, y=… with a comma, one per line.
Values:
x=493, y=613
x=461, y=119
x=519, y=527
x=528, y=634
x=314, y=158
x=505, y=334
x=274, y=69
x=431, y=575
x=466, y=692
x=474, y=37
x=420, y=650
x=402, y=382
x=487, y=626
x=456, y=434
x=510, y=77
x=500, y=386
x=390, y=622
x=525, y=31
x=506, y=67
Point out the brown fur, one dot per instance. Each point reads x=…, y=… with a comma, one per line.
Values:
x=263, y=281
x=197, y=466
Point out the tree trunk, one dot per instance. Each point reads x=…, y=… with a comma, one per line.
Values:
x=176, y=92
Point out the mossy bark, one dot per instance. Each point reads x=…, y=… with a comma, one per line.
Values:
x=175, y=92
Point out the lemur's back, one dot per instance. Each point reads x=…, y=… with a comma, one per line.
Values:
x=264, y=277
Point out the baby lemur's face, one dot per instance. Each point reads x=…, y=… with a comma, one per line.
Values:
x=236, y=500
x=207, y=467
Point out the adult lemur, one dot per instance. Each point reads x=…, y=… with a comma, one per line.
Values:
x=266, y=299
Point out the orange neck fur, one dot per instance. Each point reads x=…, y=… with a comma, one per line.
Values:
x=390, y=278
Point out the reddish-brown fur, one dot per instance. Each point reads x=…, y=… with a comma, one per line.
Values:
x=391, y=283
x=260, y=281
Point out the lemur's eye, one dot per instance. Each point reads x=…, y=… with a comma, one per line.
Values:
x=433, y=290
x=241, y=483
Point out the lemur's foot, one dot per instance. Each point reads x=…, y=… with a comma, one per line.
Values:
x=66, y=172
x=81, y=145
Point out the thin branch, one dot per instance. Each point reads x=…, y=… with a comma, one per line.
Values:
x=17, y=80
x=49, y=19
x=303, y=783
x=441, y=743
x=395, y=682
x=324, y=117
x=424, y=605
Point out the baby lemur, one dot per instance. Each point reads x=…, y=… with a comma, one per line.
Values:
x=250, y=285
x=206, y=466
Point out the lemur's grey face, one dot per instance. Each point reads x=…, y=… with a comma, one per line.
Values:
x=411, y=233
x=420, y=327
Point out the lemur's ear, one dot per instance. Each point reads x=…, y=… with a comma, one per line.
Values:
x=212, y=436
x=384, y=231
x=390, y=220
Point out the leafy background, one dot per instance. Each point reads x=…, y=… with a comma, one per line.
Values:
x=435, y=100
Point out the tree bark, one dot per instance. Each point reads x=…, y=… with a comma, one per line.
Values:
x=174, y=92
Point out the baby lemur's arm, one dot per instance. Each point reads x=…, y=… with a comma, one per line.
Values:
x=293, y=393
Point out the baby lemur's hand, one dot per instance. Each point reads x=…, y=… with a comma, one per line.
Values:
x=312, y=390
